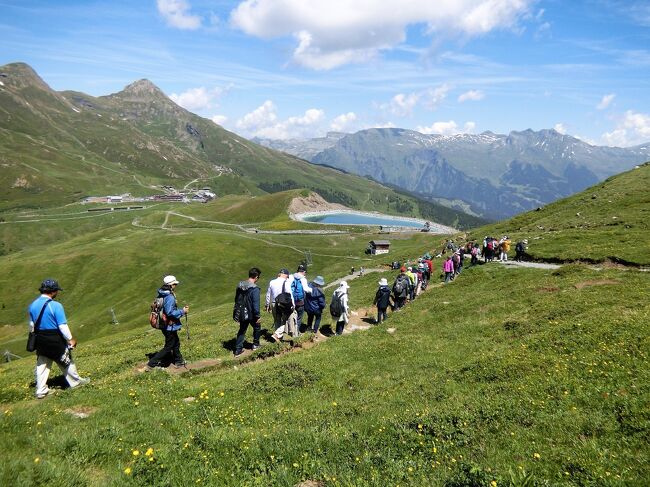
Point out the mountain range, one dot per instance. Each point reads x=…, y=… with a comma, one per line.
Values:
x=491, y=175
x=60, y=146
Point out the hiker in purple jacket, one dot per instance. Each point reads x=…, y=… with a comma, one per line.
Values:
x=448, y=269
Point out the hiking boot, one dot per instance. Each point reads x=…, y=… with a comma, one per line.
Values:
x=238, y=353
x=255, y=347
x=178, y=365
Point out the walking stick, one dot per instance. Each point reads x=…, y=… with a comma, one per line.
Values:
x=187, y=327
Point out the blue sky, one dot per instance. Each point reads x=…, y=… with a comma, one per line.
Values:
x=299, y=68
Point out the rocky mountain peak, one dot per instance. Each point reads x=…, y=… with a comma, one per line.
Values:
x=21, y=75
x=142, y=89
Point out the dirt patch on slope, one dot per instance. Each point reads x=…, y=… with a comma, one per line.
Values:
x=599, y=282
x=313, y=202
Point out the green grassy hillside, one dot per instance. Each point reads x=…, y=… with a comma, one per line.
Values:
x=506, y=376
x=607, y=222
x=541, y=378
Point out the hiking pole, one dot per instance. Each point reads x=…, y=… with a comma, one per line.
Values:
x=187, y=327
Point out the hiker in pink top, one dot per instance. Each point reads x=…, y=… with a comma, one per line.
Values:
x=448, y=269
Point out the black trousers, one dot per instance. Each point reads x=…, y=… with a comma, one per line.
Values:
x=315, y=319
x=381, y=314
x=241, y=334
x=170, y=353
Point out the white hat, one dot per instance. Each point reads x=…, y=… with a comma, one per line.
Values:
x=344, y=285
x=169, y=280
x=383, y=282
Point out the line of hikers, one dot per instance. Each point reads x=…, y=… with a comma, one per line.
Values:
x=288, y=298
x=492, y=249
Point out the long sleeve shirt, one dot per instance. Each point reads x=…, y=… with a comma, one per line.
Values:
x=276, y=288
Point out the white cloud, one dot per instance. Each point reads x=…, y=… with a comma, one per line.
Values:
x=632, y=129
x=176, y=13
x=263, y=122
x=337, y=32
x=560, y=128
x=606, y=101
x=219, y=119
x=197, y=98
x=447, y=128
x=471, y=95
x=344, y=122
x=402, y=105
x=432, y=97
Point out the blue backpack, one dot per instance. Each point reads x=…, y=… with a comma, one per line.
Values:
x=297, y=290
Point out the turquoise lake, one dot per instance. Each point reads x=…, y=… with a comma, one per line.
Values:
x=359, y=219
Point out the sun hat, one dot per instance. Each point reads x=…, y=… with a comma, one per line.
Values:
x=383, y=282
x=319, y=280
x=169, y=280
x=50, y=285
x=344, y=285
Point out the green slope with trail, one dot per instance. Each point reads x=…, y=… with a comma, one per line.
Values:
x=507, y=375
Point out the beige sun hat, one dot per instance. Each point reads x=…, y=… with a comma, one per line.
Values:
x=169, y=280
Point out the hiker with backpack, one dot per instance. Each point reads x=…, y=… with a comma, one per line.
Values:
x=169, y=326
x=247, y=310
x=299, y=289
x=448, y=269
x=412, y=283
x=401, y=289
x=315, y=304
x=51, y=339
x=504, y=246
x=474, y=252
x=520, y=250
x=382, y=300
x=279, y=302
x=456, y=259
x=339, y=307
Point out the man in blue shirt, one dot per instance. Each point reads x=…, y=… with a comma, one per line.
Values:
x=54, y=340
x=171, y=351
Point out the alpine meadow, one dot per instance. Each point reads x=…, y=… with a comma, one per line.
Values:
x=473, y=310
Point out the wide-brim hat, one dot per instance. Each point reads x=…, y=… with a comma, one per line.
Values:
x=383, y=282
x=169, y=280
x=319, y=280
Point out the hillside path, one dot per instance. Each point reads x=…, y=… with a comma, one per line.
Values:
x=350, y=277
x=534, y=265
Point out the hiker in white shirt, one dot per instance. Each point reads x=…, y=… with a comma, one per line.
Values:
x=278, y=287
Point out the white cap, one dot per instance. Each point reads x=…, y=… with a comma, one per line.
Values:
x=344, y=285
x=169, y=280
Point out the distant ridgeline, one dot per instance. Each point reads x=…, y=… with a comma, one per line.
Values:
x=491, y=175
x=60, y=147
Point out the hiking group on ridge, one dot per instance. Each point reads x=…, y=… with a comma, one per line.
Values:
x=288, y=298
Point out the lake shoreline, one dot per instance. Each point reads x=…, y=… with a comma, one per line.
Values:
x=435, y=227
